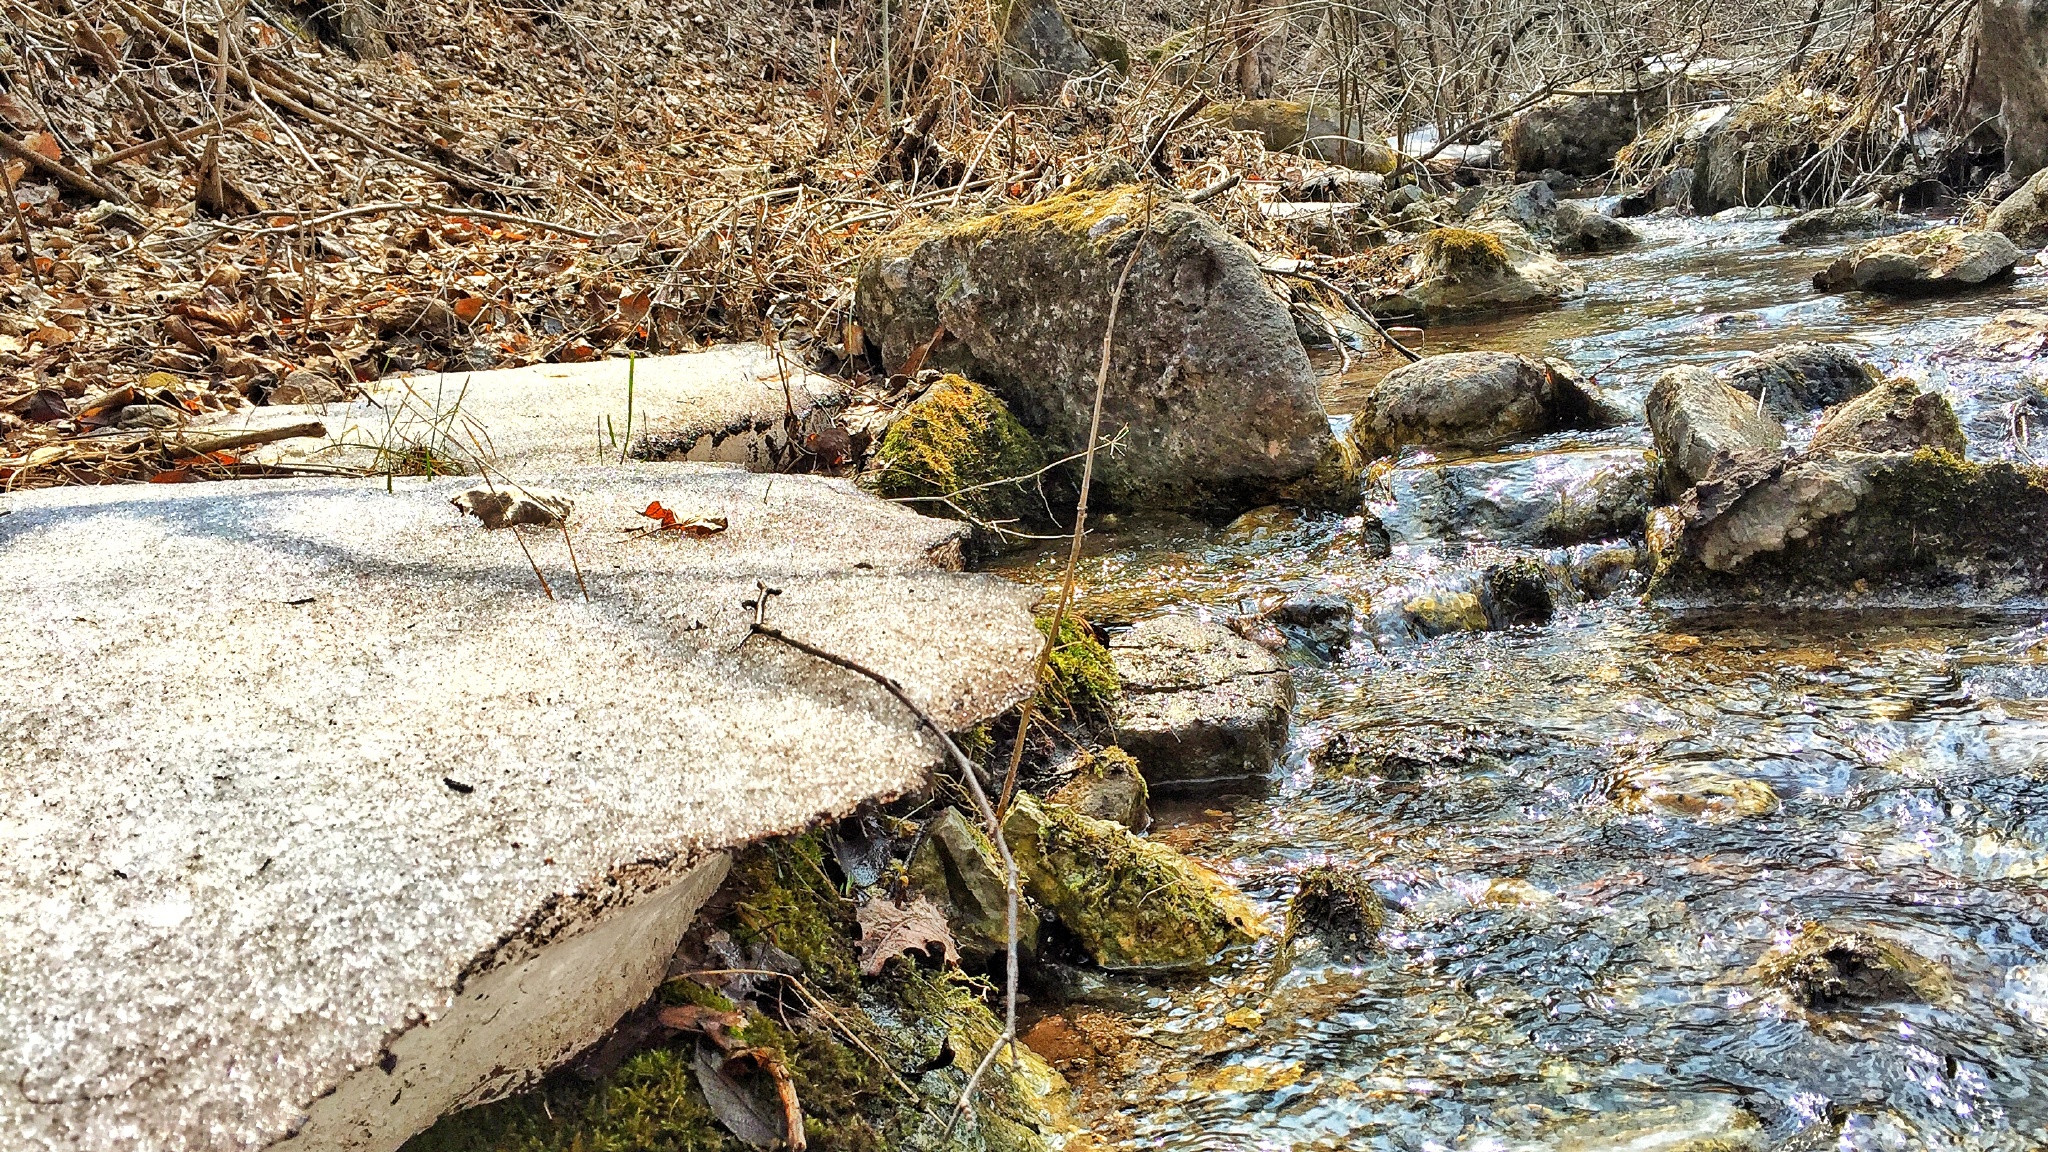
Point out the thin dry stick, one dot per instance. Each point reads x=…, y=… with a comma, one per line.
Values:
x=1059, y=614
x=28, y=250
x=516, y=535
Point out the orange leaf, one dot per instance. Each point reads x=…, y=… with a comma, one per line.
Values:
x=174, y=476
x=469, y=308
x=50, y=336
x=656, y=512
x=635, y=305
x=45, y=145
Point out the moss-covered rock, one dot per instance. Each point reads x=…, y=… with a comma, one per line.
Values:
x=1927, y=262
x=1857, y=526
x=1337, y=906
x=1107, y=785
x=1216, y=403
x=1080, y=679
x=1130, y=902
x=783, y=897
x=1894, y=417
x=1745, y=157
x=957, y=450
x=958, y=868
x=1461, y=271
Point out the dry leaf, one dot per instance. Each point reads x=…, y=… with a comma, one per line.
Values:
x=888, y=931
x=504, y=507
x=45, y=145
x=667, y=521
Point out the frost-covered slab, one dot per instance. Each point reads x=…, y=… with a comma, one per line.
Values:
x=738, y=404
x=291, y=767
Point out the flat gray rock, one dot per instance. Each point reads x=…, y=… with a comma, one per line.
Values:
x=1201, y=708
x=1546, y=498
x=735, y=404
x=294, y=768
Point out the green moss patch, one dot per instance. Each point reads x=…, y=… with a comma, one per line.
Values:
x=1463, y=253
x=960, y=441
x=1080, y=679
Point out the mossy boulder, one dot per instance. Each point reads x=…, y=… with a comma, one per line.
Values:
x=1746, y=156
x=1862, y=527
x=1208, y=387
x=1130, y=902
x=1338, y=907
x=957, y=450
x=1292, y=126
x=1107, y=785
x=1080, y=680
x=1450, y=272
x=1894, y=417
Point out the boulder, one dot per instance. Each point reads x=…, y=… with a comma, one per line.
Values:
x=1337, y=907
x=1934, y=260
x=1893, y=417
x=1824, y=224
x=1202, y=707
x=746, y=404
x=1694, y=418
x=1542, y=499
x=324, y=818
x=1040, y=49
x=1576, y=134
x=1107, y=785
x=1873, y=528
x=1670, y=192
x=1700, y=1123
x=1795, y=379
x=2023, y=216
x=2011, y=79
x=1496, y=597
x=1744, y=156
x=1460, y=271
x=1131, y=903
x=958, y=869
x=1465, y=400
x=1209, y=387
x=1321, y=618
x=1332, y=229
x=2013, y=334
x=1291, y=126
x=1565, y=226
x=952, y=451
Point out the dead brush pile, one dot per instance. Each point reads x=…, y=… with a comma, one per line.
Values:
x=234, y=202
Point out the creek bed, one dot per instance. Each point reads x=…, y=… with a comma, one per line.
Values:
x=1589, y=833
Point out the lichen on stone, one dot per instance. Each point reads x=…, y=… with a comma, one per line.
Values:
x=960, y=442
x=1463, y=252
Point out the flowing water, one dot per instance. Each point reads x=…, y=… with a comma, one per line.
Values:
x=1565, y=822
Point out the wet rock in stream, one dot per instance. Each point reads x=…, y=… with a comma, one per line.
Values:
x=1936, y=260
x=1702, y=1124
x=1694, y=418
x=1895, y=417
x=1459, y=271
x=1202, y=707
x=1336, y=907
x=1922, y=524
x=1795, y=379
x=1825, y=224
x=1106, y=785
x=1828, y=967
x=1128, y=901
x=1467, y=400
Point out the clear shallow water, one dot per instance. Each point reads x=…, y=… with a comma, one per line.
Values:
x=1567, y=826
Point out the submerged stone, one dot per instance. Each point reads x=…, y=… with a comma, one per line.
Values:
x=1129, y=901
x=1202, y=707
x=1338, y=907
x=1548, y=498
x=1694, y=791
x=1209, y=387
x=1830, y=966
x=1699, y=1124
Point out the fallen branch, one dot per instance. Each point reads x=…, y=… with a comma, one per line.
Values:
x=183, y=448
x=443, y=210
x=1216, y=189
x=1157, y=138
x=149, y=147
x=59, y=171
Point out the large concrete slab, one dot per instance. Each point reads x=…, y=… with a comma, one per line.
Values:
x=294, y=767
x=744, y=404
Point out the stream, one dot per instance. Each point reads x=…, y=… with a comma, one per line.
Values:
x=1567, y=965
